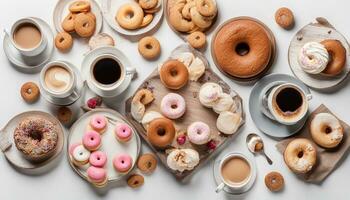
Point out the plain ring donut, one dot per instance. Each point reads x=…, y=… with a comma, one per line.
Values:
x=326, y=130
x=197, y=39
x=161, y=132
x=130, y=16
x=300, y=155
x=174, y=74
x=337, y=55
x=149, y=47
x=206, y=8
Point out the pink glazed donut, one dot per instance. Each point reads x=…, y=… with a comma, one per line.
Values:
x=173, y=105
x=198, y=133
x=123, y=132
x=98, y=159
x=92, y=140
x=97, y=176
x=122, y=163
x=98, y=123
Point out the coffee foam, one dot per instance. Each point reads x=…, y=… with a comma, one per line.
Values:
x=57, y=79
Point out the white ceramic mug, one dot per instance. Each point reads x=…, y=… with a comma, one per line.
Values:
x=113, y=89
x=39, y=48
x=237, y=187
x=271, y=110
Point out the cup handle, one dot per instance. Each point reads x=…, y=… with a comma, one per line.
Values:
x=309, y=97
x=7, y=33
x=220, y=187
x=130, y=71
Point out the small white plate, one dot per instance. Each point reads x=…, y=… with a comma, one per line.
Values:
x=110, y=145
x=262, y=122
x=30, y=64
x=14, y=156
x=61, y=11
x=317, y=32
x=110, y=8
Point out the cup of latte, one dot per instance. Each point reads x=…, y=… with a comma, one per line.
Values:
x=237, y=172
x=287, y=103
x=58, y=82
x=27, y=37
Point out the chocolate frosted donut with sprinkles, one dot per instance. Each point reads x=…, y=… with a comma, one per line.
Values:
x=36, y=138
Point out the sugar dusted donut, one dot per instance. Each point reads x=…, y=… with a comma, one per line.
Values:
x=198, y=133
x=209, y=94
x=313, y=58
x=161, y=132
x=122, y=163
x=300, y=155
x=98, y=123
x=337, y=54
x=174, y=74
x=123, y=132
x=98, y=159
x=97, y=176
x=92, y=140
x=326, y=130
x=173, y=105
x=80, y=155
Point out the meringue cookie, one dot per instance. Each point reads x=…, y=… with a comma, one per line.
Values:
x=209, y=94
x=137, y=110
x=186, y=58
x=196, y=69
x=183, y=159
x=224, y=103
x=228, y=122
x=100, y=40
x=150, y=116
x=313, y=58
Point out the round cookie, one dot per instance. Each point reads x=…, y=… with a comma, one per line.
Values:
x=147, y=163
x=64, y=115
x=197, y=39
x=84, y=25
x=274, y=181
x=148, y=4
x=30, y=92
x=135, y=181
x=63, y=41
x=130, y=16
x=68, y=23
x=147, y=19
x=149, y=47
x=79, y=6
x=284, y=18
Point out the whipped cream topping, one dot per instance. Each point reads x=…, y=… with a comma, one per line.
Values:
x=228, y=122
x=224, y=103
x=183, y=159
x=149, y=116
x=209, y=93
x=196, y=69
x=313, y=58
x=186, y=58
x=253, y=142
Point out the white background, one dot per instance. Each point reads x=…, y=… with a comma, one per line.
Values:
x=63, y=183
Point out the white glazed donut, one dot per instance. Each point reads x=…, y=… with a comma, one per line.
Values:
x=186, y=58
x=224, y=103
x=209, y=94
x=228, y=122
x=80, y=155
x=326, y=130
x=182, y=159
x=198, y=133
x=173, y=106
x=313, y=58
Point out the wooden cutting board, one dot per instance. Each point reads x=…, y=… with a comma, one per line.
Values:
x=195, y=111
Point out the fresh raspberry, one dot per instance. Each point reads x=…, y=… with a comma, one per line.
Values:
x=94, y=102
x=211, y=145
x=181, y=139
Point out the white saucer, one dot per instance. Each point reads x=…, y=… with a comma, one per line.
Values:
x=61, y=11
x=110, y=145
x=262, y=122
x=110, y=8
x=31, y=64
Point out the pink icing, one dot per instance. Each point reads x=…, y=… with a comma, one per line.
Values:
x=123, y=132
x=72, y=147
x=173, y=105
x=198, y=133
x=122, y=162
x=96, y=174
x=98, y=159
x=98, y=122
x=91, y=140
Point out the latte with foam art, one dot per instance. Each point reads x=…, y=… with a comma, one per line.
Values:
x=58, y=79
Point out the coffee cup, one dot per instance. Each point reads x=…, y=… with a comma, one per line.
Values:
x=58, y=82
x=108, y=75
x=237, y=172
x=27, y=37
x=286, y=103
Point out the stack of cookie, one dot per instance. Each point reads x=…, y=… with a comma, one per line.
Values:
x=79, y=20
x=133, y=16
x=188, y=16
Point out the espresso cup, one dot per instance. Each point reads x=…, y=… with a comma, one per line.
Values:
x=27, y=37
x=237, y=172
x=287, y=103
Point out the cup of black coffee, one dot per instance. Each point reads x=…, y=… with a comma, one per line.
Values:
x=287, y=103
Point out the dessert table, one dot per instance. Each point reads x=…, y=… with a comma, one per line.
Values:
x=62, y=183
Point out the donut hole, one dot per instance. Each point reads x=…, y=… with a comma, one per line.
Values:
x=149, y=46
x=161, y=131
x=136, y=182
x=36, y=135
x=242, y=48
x=173, y=106
x=92, y=139
x=149, y=164
x=273, y=180
x=197, y=37
x=327, y=129
x=29, y=91
x=98, y=158
x=130, y=14
x=122, y=161
x=61, y=40
x=199, y=132
x=86, y=24
x=300, y=154
x=173, y=72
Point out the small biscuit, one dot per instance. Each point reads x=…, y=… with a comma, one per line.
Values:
x=197, y=39
x=64, y=115
x=30, y=92
x=135, y=181
x=274, y=181
x=284, y=18
x=84, y=25
x=63, y=41
x=147, y=163
x=79, y=6
x=68, y=23
x=147, y=19
x=148, y=4
x=149, y=47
